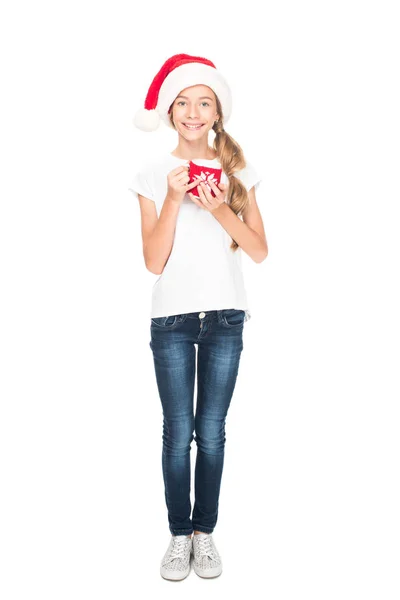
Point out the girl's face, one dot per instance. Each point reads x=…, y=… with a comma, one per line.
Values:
x=195, y=106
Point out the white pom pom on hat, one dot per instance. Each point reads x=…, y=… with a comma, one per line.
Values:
x=147, y=120
x=177, y=73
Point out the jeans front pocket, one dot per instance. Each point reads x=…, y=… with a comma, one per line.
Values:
x=233, y=317
x=168, y=322
x=164, y=322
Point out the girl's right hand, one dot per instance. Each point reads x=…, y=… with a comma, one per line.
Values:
x=178, y=183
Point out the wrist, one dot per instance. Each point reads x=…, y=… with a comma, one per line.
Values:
x=220, y=209
x=173, y=201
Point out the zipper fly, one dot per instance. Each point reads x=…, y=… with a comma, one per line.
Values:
x=201, y=317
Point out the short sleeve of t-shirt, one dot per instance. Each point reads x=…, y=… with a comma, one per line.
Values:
x=142, y=183
x=249, y=176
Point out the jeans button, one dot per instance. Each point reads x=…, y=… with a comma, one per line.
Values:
x=202, y=315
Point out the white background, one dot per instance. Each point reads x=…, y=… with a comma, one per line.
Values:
x=310, y=491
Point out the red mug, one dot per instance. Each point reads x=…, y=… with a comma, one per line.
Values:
x=203, y=173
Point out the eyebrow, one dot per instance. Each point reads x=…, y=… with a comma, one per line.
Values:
x=200, y=97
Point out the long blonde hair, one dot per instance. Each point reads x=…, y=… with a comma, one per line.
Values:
x=231, y=157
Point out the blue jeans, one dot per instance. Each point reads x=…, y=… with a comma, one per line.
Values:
x=219, y=337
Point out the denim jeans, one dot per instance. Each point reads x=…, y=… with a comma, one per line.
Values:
x=219, y=338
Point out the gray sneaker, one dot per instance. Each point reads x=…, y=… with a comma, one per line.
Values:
x=176, y=562
x=206, y=560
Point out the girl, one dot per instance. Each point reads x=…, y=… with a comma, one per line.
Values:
x=194, y=243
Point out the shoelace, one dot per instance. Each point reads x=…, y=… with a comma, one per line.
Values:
x=206, y=548
x=178, y=547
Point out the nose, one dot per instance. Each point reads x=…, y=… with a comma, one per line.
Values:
x=192, y=113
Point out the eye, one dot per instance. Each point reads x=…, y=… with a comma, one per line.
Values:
x=183, y=102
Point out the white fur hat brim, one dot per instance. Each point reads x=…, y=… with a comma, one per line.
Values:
x=188, y=75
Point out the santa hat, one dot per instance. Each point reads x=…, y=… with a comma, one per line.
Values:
x=177, y=73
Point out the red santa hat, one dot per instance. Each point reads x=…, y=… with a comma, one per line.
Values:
x=177, y=73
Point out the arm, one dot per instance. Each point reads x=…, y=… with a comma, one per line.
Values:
x=157, y=232
x=249, y=234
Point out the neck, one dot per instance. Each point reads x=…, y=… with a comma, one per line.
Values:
x=187, y=152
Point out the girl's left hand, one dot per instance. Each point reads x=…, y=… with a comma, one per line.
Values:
x=207, y=201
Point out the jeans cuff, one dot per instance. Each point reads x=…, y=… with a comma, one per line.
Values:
x=203, y=529
x=181, y=531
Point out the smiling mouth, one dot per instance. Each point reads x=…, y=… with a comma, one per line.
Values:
x=193, y=127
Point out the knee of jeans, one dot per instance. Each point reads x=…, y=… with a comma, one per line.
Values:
x=178, y=434
x=210, y=435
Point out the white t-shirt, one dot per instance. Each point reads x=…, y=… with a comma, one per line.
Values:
x=202, y=272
